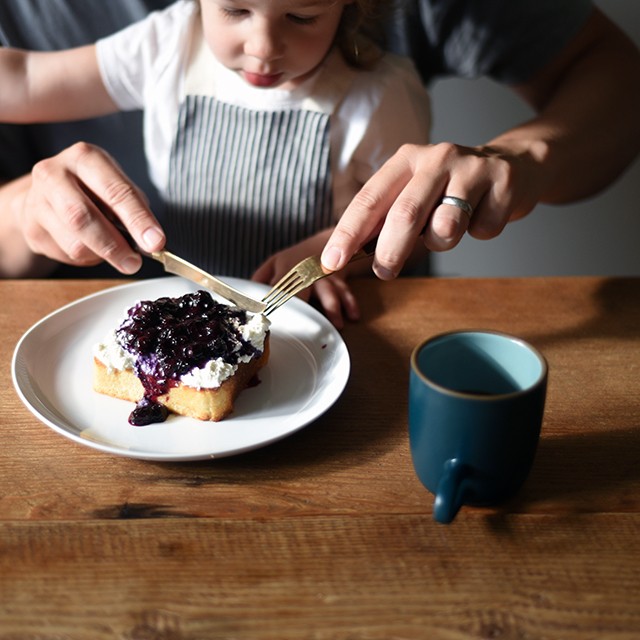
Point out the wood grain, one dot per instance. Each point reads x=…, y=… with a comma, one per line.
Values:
x=328, y=533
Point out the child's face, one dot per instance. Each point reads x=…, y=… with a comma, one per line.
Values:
x=271, y=43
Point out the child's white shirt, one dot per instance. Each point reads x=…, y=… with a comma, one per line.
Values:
x=145, y=67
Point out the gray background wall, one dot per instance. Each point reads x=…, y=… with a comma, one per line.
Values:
x=598, y=236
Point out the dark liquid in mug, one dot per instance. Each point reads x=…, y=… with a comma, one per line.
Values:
x=476, y=392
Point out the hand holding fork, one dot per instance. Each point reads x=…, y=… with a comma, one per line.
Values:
x=303, y=275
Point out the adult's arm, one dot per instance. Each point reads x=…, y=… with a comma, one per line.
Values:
x=585, y=133
x=26, y=203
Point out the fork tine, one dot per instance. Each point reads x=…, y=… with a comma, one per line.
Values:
x=285, y=283
x=284, y=297
x=283, y=294
x=292, y=286
x=301, y=276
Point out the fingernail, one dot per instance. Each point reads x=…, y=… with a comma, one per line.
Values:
x=383, y=273
x=152, y=239
x=331, y=258
x=130, y=265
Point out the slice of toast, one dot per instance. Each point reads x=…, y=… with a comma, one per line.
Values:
x=190, y=355
x=201, y=404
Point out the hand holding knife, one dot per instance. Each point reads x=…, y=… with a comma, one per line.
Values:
x=180, y=267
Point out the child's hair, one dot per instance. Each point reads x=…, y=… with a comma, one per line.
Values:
x=360, y=31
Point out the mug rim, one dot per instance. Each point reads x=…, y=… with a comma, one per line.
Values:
x=544, y=366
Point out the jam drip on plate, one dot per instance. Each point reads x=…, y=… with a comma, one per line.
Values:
x=171, y=336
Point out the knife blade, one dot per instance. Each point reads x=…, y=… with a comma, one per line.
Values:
x=180, y=267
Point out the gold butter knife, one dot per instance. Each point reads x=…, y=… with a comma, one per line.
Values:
x=179, y=266
x=174, y=264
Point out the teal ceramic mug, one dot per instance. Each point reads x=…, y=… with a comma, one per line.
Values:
x=476, y=402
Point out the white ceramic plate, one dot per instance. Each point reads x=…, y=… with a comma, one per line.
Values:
x=52, y=373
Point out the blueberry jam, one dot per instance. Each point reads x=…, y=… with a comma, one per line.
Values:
x=171, y=336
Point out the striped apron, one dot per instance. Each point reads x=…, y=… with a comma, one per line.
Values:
x=244, y=184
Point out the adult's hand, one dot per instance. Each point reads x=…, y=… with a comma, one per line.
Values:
x=404, y=198
x=334, y=295
x=65, y=209
x=585, y=133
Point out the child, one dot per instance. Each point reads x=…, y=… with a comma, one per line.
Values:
x=263, y=118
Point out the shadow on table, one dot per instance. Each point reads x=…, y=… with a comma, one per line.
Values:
x=617, y=315
x=585, y=472
x=593, y=470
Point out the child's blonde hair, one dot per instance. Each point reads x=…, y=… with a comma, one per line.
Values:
x=360, y=29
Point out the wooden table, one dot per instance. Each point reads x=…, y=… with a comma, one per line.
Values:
x=328, y=533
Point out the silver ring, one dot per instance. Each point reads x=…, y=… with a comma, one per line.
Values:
x=458, y=202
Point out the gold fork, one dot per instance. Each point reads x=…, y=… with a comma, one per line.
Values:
x=303, y=275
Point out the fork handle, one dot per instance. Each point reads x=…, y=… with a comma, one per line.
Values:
x=369, y=248
x=366, y=251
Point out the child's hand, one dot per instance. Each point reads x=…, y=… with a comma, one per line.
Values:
x=336, y=298
x=333, y=293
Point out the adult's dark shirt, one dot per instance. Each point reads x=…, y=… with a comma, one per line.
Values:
x=503, y=39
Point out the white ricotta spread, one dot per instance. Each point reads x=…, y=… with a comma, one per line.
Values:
x=112, y=355
x=212, y=375
x=256, y=329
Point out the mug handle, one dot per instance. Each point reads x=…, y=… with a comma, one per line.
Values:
x=450, y=491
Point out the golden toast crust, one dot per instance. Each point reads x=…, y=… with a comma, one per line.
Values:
x=202, y=404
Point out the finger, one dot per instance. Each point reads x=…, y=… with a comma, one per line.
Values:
x=337, y=299
x=405, y=221
x=105, y=180
x=40, y=241
x=78, y=226
x=366, y=212
x=349, y=303
x=329, y=302
x=449, y=220
x=491, y=214
x=487, y=222
x=112, y=187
